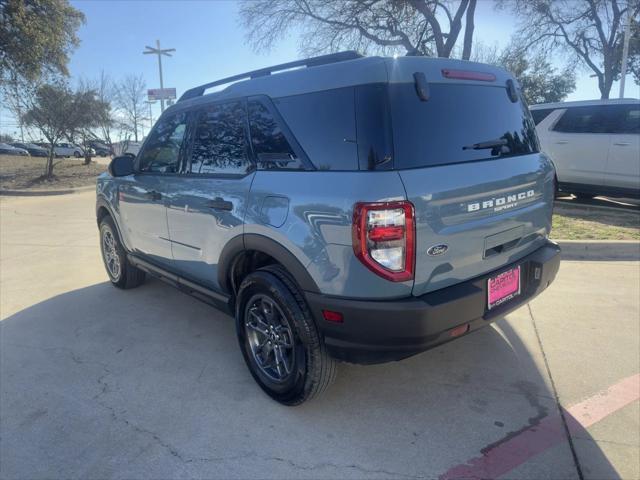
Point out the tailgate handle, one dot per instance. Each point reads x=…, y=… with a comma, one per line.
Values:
x=503, y=241
x=500, y=248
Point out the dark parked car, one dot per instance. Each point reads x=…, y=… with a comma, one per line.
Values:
x=33, y=149
x=101, y=149
x=6, y=149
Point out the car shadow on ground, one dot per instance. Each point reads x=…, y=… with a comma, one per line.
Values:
x=148, y=383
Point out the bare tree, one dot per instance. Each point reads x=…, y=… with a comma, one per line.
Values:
x=419, y=27
x=106, y=92
x=539, y=80
x=52, y=113
x=591, y=31
x=130, y=101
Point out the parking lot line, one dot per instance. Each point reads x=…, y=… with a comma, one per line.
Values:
x=504, y=456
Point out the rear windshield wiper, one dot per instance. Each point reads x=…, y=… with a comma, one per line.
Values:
x=498, y=142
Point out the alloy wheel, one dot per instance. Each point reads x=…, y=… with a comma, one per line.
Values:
x=110, y=254
x=269, y=337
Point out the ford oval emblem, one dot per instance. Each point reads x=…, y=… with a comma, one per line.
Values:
x=437, y=250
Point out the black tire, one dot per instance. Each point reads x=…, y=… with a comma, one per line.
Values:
x=312, y=369
x=77, y=154
x=126, y=275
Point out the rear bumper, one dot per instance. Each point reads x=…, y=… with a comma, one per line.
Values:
x=381, y=331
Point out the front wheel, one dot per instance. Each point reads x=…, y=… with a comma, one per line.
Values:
x=279, y=339
x=77, y=154
x=121, y=272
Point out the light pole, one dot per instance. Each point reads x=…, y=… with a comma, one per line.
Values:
x=158, y=51
x=148, y=102
x=625, y=52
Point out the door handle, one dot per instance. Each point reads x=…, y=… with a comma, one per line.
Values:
x=153, y=195
x=622, y=144
x=220, y=204
x=562, y=142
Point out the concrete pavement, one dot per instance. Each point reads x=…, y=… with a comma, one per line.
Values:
x=101, y=383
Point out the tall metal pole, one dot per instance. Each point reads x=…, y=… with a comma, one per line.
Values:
x=625, y=51
x=159, y=51
x=160, y=70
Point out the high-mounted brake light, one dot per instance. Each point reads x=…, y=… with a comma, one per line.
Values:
x=384, y=238
x=468, y=75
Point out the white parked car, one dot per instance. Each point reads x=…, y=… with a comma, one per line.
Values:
x=68, y=150
x=594, y=144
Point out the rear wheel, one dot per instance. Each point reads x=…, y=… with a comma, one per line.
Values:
x=121, y=272
x=279, y=339
x=77, y=154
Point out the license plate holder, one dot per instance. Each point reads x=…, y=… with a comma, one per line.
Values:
x=503, y=287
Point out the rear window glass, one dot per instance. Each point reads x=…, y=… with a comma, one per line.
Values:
x=459, y=123
x=324, y=124
x=540, y=114
x=272, y=150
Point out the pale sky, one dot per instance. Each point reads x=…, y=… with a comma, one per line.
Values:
x=210, y=44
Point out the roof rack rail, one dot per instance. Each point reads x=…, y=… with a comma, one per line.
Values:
x=308, y=62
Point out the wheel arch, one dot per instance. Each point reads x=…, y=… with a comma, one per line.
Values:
x=245, y=247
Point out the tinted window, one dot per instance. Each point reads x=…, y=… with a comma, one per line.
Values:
x=451, y=125
x=324, y=124
x=219, y=141
x=270, y=146
x=582, y=120
x=628, y=119
x=600, y=119
x=161, y=152
x=540, y=114
x=373, y=128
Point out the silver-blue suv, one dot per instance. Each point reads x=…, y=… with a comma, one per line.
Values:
x=350, y=208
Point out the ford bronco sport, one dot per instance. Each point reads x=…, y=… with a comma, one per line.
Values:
x=350, y=208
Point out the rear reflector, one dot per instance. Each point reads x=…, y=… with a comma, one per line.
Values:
x=461, y=330
x=331, y=316
x=468, y=75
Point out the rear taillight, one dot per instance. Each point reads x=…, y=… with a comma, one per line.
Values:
x=384, y=238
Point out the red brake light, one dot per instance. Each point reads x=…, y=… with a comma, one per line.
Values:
x=468, y=75
x=384, y=238
x=331, y=316
x=385, y=234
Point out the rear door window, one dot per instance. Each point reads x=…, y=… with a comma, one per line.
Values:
x=270, y=146
x=219, y=141
x=627, y=119
x=324, y=124
x=458, y=123
x=588, y=119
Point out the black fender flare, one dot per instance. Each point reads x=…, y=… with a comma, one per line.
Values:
x=102, y=202
x=252, y=241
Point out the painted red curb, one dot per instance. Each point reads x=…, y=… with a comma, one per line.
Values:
x=549, y=432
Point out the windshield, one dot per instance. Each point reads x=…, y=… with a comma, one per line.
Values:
x=458, y=123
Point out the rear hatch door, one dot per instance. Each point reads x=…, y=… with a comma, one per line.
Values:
x=470, y=163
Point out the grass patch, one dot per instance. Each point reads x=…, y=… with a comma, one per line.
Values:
x=593, y=223
x=26, y=173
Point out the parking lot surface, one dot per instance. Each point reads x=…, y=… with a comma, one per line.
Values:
x=97, y=382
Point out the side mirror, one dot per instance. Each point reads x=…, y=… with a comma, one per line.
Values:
x=121, y=166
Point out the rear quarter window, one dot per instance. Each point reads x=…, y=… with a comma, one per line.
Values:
x=324, y=125
x=443, y=129
x=540, y=114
